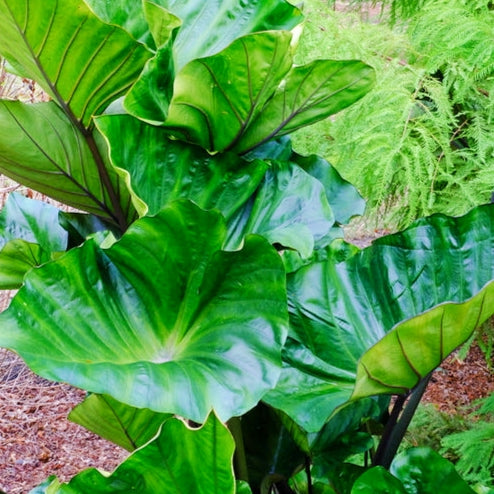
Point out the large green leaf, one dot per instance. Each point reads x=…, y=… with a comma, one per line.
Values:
x=180, y=460
x=282, y=203
x=29, y=235
x=161, y=170
x=188, y=328
x=339, y=311
x=42, y=149
x=209, y=27
x=121, y=424
x=80, y=61
x=250, y=93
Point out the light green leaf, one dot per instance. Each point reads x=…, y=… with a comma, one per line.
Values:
x=339, y=311
x=188, y=328
x=161, y=170
x=180, y=460
x=80, y=61
x=308, y=94
x=415, y=347
x=30, y=235
x=121, y=424
x=42, y=149
x=249, y=93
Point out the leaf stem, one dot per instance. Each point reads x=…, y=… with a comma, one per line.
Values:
x=399, y=420
x=239, y=458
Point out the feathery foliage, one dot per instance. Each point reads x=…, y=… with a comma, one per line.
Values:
x=473, y=448
x=421, y=141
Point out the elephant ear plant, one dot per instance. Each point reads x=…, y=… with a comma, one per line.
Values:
x=201, y=292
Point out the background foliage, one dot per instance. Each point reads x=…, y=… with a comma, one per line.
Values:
x=420, y=142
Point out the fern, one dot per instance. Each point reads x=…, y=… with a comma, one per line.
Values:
x=422, y=141
x=473, y=448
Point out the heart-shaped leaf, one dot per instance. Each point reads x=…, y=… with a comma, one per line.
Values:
x=188, y=328
x=180, y=460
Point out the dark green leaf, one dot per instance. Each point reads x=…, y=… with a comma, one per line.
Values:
x=42, y=149
x=423, y=471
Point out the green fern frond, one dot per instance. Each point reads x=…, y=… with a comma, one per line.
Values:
x=474, y=449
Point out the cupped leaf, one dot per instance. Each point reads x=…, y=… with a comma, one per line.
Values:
x=340, y=310
x=216, y=98
x=188, y=328
x=80, y=61
x=42, y=149
x=30, y=235
x=127, y=426
x=250, y=93
x=161, y=171
x=180, y=460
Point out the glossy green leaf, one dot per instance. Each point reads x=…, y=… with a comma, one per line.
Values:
x=290, y=208
x=208, y=28
x=341, y=310
x=180, y=460
x=161, y=170
x=188, y=328
x=42, y=149
x=423, y=471
x=378, y=480
x=30, y=235
x=150, y=96
x=127, y=426
x=80, y=61
x=267, y=97
x=343, y=197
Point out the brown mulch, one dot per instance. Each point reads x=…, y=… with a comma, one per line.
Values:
x=36, y=439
